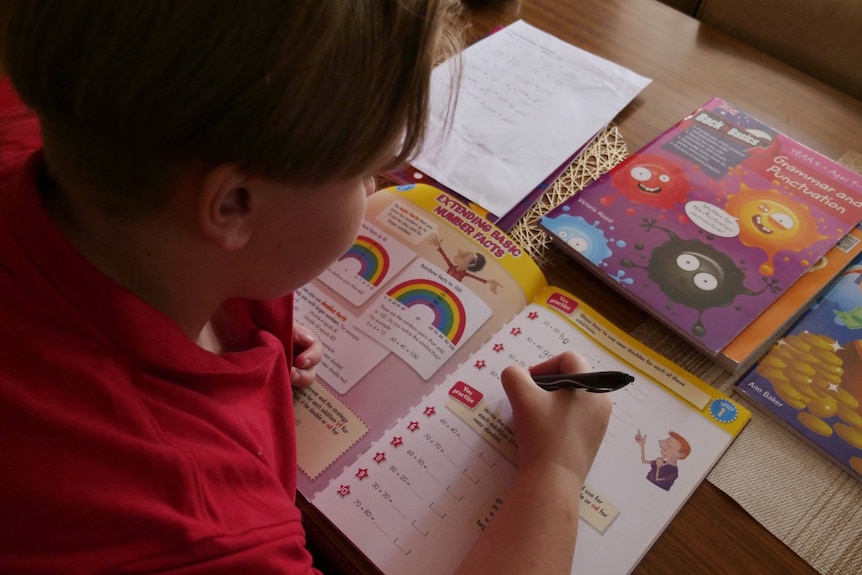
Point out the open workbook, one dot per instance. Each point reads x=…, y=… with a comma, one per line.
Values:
x=405, y=441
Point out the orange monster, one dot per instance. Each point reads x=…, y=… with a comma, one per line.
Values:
x=771, y=221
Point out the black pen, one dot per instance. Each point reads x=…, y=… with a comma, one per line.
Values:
x=596, y=381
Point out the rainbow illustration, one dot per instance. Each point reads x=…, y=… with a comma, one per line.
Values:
x=449, y=315
x=373, y=259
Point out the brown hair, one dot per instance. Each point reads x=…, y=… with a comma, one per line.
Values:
x=301, y=91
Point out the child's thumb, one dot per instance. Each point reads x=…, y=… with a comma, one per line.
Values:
x=518, y=385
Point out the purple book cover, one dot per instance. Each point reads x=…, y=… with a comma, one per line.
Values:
x=707, y=224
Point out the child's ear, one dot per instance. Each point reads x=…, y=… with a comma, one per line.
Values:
x=225, y=207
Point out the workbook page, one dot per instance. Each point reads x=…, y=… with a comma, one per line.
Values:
x=425, y=283
x=417, y=499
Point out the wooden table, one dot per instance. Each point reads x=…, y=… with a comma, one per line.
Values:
x=689, y=63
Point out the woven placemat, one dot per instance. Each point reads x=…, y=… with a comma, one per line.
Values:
x=605, y=151
x=852, y=160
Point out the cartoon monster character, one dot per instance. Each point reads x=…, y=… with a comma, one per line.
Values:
x=588, y=240
x=772, y=221
x=695, y=274
x=651, y=180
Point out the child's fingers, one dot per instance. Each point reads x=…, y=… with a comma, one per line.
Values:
x=301, y=377
x=307, y=353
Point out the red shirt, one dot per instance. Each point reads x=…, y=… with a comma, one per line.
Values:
x=125, y=447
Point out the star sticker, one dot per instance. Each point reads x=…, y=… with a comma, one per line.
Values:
x=413, y=426
x=362, y=474
x=498, y=347
x=396, y=441
x=515, y=331
x=344, y=490
x=532, y=315
x=380, y=457
x=429, y=411
x=480, y=363
x=833, y=387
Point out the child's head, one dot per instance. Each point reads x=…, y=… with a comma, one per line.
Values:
x=470, y=261
x=302, y=92
x=675, y=446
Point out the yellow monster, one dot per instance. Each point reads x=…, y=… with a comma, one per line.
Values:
x=773, y=222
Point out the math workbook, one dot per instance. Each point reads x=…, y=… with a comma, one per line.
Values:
x=406, y=441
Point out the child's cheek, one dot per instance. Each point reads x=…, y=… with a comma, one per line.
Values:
x=370, y=185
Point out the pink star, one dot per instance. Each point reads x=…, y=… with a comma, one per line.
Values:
x=362, y=474
x=344, y=490
x=414, y=425
x=498, y=347
x=380, y=457
x=480, y=363
x=396, y=441
x=533, y=315
x=515, y=331
x=429, y=411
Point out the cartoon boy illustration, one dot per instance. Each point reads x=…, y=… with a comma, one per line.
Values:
x=464, y=262
x=664, y=470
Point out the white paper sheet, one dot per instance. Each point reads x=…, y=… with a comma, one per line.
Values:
x=526, y=102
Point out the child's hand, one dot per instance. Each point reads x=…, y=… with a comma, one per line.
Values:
x=561, y=428
x=307, y=352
